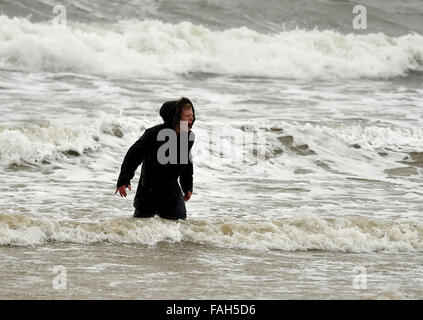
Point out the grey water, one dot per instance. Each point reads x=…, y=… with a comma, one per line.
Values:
x=330, y=210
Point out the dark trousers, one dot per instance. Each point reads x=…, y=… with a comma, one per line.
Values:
x=149, y=205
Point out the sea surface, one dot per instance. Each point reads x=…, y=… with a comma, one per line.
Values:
x=308, y=158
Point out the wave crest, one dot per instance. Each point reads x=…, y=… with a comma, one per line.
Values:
x=36, y=143
x=303, y=233
x=155, y=49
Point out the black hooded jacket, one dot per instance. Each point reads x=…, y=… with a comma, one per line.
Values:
x=159, y=178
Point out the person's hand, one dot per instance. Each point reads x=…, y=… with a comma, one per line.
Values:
x=187, y=196
x=122, y=190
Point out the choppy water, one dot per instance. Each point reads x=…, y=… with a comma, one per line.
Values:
x=308, y=155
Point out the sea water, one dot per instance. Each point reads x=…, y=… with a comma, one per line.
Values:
x=308, y=158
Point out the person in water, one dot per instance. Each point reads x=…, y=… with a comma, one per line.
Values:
x=164, y=162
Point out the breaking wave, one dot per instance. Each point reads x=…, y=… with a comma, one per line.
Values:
x=152, y=48
x=282, y=144
x=303, y=233
x=34, y=144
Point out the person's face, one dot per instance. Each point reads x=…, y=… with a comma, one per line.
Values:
x=187, y=115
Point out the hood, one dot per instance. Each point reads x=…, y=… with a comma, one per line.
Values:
x=171, y=111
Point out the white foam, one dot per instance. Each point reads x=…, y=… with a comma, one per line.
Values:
x=153, y=48
x=348, y=149
x=31, y=144
x=246, y=148
x=305, y=232
x=369, y=137
x=56, y=140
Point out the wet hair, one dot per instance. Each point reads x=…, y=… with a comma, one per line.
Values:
x=180, y=105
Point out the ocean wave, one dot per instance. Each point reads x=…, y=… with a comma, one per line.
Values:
x=46, y=141
x=232, y=147
x=365, y=137
x=303, y=233
x=306, y=139
x=152, y=48
x=34, y=144
x=393, y=17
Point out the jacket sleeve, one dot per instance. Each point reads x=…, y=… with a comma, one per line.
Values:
x=133, y=159
x=186, y=178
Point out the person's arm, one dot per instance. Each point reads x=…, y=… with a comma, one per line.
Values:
x=186, y=177
x=132, y=160
x=186, y=180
